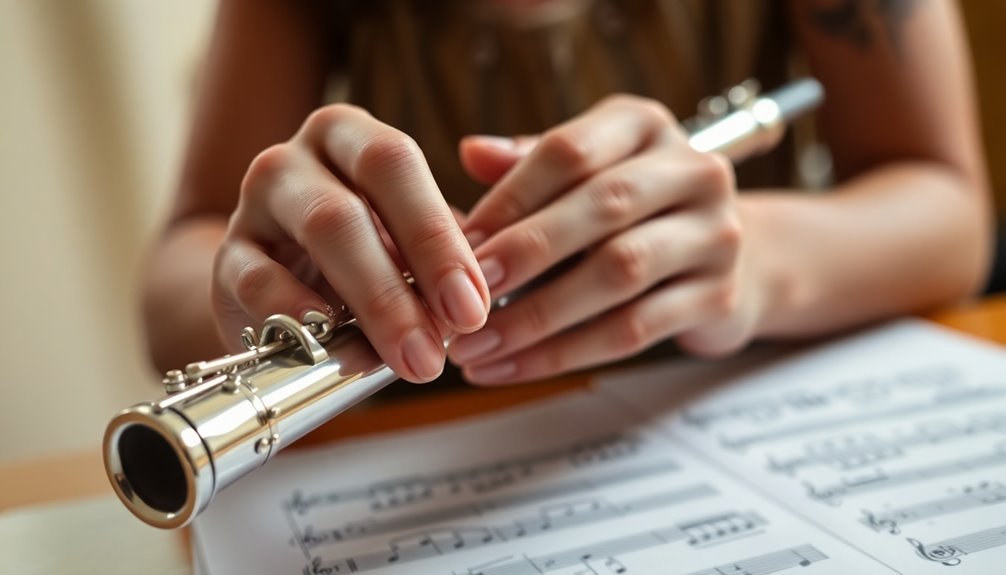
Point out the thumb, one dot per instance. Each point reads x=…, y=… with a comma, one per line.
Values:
x=488, y=158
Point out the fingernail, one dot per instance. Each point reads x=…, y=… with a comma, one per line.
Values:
x=465, y=348
x=492, y=270
x=492, y=373
x=422, y=354
x=462, y=301
x=501, y=143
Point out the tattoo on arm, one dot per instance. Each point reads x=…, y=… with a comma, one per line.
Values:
x=861, y=21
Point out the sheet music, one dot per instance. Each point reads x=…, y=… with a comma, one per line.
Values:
x=883, y=453
x=570, y=486
x=893, y=441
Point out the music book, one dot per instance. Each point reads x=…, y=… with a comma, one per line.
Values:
x=880, y=452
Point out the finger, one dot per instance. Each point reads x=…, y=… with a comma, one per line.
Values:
x=249, y=286
x=605, y=135
x=389, y=243
x=621, y=333
x=603, y=205
x=389, y=170
x=459, y=215
x=335, y=228
x=489, y=158
x=619, y=270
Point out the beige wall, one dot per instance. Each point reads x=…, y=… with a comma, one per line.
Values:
x=92, y=106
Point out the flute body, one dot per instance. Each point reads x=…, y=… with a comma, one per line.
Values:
x=224, y=418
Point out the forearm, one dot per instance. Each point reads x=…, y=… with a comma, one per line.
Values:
x=178, y=318
x=900, y=238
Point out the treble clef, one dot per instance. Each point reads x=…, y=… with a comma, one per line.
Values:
x=945, y=554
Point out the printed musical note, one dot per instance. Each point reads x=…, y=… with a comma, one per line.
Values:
x=934, y=377
x=614, y=566
x=557, y=515
x=720, y=527
x=801, y=556
x=849, y=453
x=597, y=480
x=508, y=565
x=988, y=493
x=415, y=547
x=880, y=479
x=950, y=551
x=552, y=517
x=937, y=402
x=602, y=451
x=398, y=492
x=855, y=451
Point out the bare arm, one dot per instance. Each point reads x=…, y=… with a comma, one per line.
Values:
x=908, y=225
x=264, y=74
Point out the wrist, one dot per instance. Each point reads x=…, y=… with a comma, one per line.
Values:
x=778, y=290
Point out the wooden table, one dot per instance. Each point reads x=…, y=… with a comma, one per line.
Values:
x=45, y=480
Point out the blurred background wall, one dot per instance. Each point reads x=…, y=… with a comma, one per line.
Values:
x=94, y=98
x=94, y=101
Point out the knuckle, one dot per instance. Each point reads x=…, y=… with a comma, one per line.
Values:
x=566, y=150
x=730, y=233
x=267, y=167
x=715, y=174
x=723, y=300
x=435, y=235
x=252, y=282
x=535, y=317
x=388, y=301
x=620, y=99
x=534, y=244
x=624, y=264
x=656, y=111
x=328, y=213
x=391, y=151
x=650, y=109
x=633, y=334
x=325, y=117
x=614, y=198
x=510, y=206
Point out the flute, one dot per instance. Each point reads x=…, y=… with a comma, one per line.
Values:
x=223, y=418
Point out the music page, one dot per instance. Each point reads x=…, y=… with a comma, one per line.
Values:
x=575, y=485
x=882, y=452
x=893, y=441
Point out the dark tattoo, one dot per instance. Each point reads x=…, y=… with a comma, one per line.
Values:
x=861, y=21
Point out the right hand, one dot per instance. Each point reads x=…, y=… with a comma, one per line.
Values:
x=308, y=231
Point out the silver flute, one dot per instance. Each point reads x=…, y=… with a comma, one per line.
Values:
x=226, y=417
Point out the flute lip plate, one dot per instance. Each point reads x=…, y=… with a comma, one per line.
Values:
x=185, y=444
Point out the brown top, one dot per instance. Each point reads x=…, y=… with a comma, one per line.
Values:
x=441, y=69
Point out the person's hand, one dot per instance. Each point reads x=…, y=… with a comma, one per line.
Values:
x=658, y=228
x=323, y=218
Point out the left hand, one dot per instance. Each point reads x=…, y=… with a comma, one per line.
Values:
x=658, y=224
